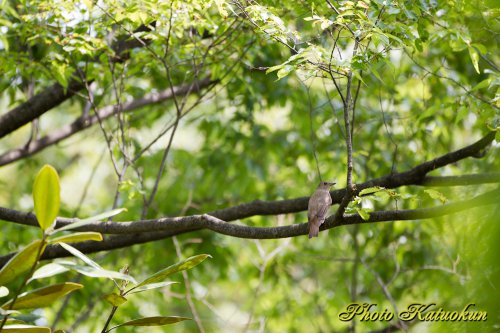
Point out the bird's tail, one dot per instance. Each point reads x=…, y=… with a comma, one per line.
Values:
x=313, y=231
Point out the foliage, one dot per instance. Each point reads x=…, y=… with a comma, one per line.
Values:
x=266, y=125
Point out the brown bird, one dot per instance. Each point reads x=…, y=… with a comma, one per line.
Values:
x=319, y=203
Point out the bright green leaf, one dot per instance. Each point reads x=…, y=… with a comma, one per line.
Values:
x=436, y=195
x=114, y=299
x=21, y=262
x=363, y=213
x=180, y=266
x=46, y=196
x=43, y=297
x=474, y=56
x=77, y=237
x=370, y=190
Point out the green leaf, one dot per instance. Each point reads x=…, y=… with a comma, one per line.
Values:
x=94, y=269
x=482, y=84
x=152, y=286
x=92, y=219
x=3, y=291
x=114, y=299
x=80, y=255
x=436, y=195
x=25, y=329
x=474, y=56
x=152, y=321
x=97, y=272
x=370, y=190
x=363, y=213
x=46, y=196
x=77, y=237
x=21, y=262
x=180, y=266
x=43, y=297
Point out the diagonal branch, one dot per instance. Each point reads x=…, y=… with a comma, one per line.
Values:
x=163, y=228
x=54, y=95
x=415, y=176
x=83, y=123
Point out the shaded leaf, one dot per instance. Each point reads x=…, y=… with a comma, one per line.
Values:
x=152, y=321
x=25, y=329
x=43, y=297
x=21, y=262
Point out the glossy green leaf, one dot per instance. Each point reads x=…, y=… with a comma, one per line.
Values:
x=46, y=196
x=48, y=270
x=93, y=269
x=25, y=329
x=115, y=299
x=92, y=219
x=98, y=272
x=43, y=297
x=77, y=237
x=21, y=262
x=181, y=266
x=152, y=321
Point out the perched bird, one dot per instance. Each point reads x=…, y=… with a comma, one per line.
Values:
x=319, y=203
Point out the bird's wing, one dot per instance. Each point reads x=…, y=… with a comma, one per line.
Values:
x=321, y=214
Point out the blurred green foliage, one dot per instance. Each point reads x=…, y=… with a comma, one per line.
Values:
x=429, y=86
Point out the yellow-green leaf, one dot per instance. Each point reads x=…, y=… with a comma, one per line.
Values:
x=115, y=299
x=474, y=56
x=180, y=266
x=46, y=196
x=25, y=329
x=153, y=321
x=43, y=297
x=21, y=262
x=77, y=237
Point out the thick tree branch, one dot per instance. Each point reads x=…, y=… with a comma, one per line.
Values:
x=83, y=123
x=53, y=96
x=167, y=227
x=217, y=220
x=415, y=176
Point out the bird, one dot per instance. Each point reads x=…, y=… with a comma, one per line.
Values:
x=319, y=203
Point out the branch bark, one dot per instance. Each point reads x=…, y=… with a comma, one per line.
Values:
x=83, y=123
x=150, y=230
x=167, y=227
x=54, y=95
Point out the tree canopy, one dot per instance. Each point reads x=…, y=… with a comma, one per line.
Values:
x=195, y=130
